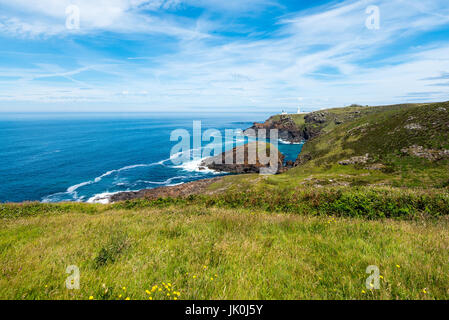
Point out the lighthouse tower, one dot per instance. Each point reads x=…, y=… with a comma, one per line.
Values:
x=299, y=110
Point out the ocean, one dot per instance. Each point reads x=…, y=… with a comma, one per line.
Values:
x=54, y=157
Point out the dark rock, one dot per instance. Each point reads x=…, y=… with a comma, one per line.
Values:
x=289, y=164
x=302, y=158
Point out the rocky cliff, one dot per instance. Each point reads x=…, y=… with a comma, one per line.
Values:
x=245, y=159
x=301, y=127
x=288, y=129
x=295, y=127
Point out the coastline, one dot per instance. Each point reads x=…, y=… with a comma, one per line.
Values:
x=173, y=189
x=179, y=190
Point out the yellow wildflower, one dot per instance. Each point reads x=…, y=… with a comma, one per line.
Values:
x=175, y=298
x=148, y=291
x=150, y=298
x=91, y=298
x=363, y=291
x=119, y=296
x=127, y=298
x=398, y=266
x=424, y=291
x=124, y=288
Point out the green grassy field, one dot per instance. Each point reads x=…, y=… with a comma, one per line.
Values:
x=216, y=253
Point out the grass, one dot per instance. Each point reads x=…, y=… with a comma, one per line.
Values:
x=216, y=253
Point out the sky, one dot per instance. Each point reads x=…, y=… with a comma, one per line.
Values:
x=220, y=55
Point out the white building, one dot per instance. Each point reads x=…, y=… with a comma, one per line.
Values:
x=299, y=111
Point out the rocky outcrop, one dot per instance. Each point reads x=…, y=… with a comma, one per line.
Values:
x=317, y=117
x=376, y=166
x=413, y=126
x=308, y=128
x=429, y=154
x=355, y=160
x=245, y=159
x=286, y=126
x=302, y=159
x=183, y=190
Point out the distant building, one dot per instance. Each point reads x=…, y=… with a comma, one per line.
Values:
x=284, y=113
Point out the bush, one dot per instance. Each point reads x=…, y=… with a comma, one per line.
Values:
x=116, y=245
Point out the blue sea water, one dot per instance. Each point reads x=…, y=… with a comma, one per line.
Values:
x=53, y=157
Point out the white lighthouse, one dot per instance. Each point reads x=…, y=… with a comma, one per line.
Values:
x=299, y=110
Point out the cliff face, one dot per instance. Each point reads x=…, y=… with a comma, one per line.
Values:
x=249, y=159
x=294, y=128
x=288, y=130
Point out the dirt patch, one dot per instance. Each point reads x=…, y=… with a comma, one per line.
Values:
x=183, y=190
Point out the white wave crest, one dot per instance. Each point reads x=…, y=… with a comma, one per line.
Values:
x=288, y=142
x=166, y=182
x=103, y=198
x=72, y=189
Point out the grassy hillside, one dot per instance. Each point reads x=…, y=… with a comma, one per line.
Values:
x=201, y=252
x=382, y=135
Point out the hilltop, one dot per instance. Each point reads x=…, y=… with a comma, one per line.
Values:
x=306, y=126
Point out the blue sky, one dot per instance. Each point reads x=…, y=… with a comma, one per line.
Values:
x=215, y=55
